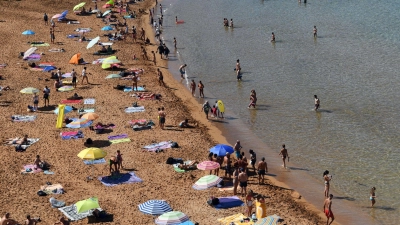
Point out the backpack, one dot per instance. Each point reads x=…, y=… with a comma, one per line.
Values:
x=135, y=104
x=170, y=160
x=174, y=145
x=41, y=193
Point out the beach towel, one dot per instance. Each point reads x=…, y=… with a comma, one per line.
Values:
x=83, y=111
x=67, y=135
x=52, y=189
x=66, y=75
x=44, y=64
x=234, y=218
x=3, y=66
x=72, y=36
x=140, y=128
x=34, y=56
x=21, y=118
x=89, y=101
x=71, y=213
x=36, y=69
x=48, y=172
x=129, y=17
x=67, y=81
x=269, y=220
x=98, y=61
x=40, y=45
x=56, y=203
x=158, y=146
x=122, y=178
x=129, y=89
x=73, y=22
x=31, y=141
x=229, y=202
x=97, y=161
x=119, y=136
x=66, y=101
x=30, y=169
x=138, y=122
x=56, y=50
x=134, y=109
x=116, y=141
x=85, y=29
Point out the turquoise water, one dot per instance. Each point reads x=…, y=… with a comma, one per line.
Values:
x=352, y=67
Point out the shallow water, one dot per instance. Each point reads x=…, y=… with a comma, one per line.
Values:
x=351, y=66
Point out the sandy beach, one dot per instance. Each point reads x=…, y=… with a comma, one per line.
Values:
x=159, y=180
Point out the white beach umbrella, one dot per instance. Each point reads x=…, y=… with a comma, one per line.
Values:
x=93, y=42
x=29, y=52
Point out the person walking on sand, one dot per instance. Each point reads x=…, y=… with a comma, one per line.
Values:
x=327, y=179
x=160, y=77
x=243, y=181
x=73, y=74
x=262, y=168
x=142, y=34
x=328, y=209
x=193, y=88
x=46, y=19
x=372, y=196
x=119, y=160
x=235, y=178
x=201, y=89
x=162, y=115
x=154, y=57
x=206, y=108
x=134, y=82
x=315, y=31
x=46, y=96
x=316, y=103
x=84, y=76
x=284, y=153
x=249, y=203
x=160, y=50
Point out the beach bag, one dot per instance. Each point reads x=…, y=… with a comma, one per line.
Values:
x=174, y=145
x=89, y=141
x=170, y=160
x=41, y=193
x=19, y=148
x=135, y=104
x=215, y=201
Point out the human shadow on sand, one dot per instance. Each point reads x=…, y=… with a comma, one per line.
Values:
x=98, y=144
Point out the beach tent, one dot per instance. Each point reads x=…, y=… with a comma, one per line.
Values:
x=87, y=204
x=75, y=59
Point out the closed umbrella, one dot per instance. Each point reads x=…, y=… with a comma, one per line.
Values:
x=29, y=52
x=87, y=204
x=56, y=16
x=207, y=182
x=107, y=28
x=28, y=32
x=174, y=217
x=93, y=42
x=66, y=88
x=79, y=123
x=155, y=207
x=208, y=165
x=106, y=12
x=29, y=90
x=92, y=154
x=222, y=149
x=90, y=116
x=67, y=109
x=80, y=5
x=113, y=76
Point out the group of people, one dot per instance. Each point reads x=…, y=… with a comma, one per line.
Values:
x=215, y=112
x=200, y=85
x=228, y=23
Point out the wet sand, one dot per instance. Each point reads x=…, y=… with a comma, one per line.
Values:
x=160, y=181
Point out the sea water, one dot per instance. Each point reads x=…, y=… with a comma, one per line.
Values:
x=352, y=66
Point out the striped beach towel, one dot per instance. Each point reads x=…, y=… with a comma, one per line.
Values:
x=134, y=109
x=21, y=118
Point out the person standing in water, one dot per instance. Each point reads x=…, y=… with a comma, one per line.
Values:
x=182, y=71
x=316, y=103
x=284, y=154
x=201, y=89
x=273, y=37
x=231, y=23
x=238, y=70
x=372, y=196
x=175, y=43
x=193, y=88
x=327, y=179
x=328, y=209
x=315, y=31
x=253, y=99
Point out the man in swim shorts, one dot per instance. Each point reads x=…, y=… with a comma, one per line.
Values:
x=316, y=103
x=328, y=209
x=243, y=181
x=182, y=71
x=284, y=154
x=262, y=170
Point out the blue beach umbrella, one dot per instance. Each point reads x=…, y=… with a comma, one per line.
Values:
x=67, y=109
x=155, y=207
x=28, y=32
x=107, y=28
x=64, y=14
x=49, y=68
x=222, y=149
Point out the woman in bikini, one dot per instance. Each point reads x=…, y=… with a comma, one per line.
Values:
x=249, y=203
x=327, y=179
x=190, y=166
x=17, y=141
x=372, y=196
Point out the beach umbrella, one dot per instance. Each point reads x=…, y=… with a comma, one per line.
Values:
x=66, y=88
x=64, y=14
x=106, y=12
x=80, y=5
x=90, y=116
x=49, y=68
x=56, y=16
x=111, y=60
x=110, y=2
x=29, y=90
x=28, y=32
x=222, y=149
x=92, y=154
x=93, y=42
x=29, y=52
x=107, y=28
x=207, y=182
x=155, y=207
x=79, y=123
x=208, y=165
x=87, y=204
x=174, y=217
x=67, y=109
x=113, y=76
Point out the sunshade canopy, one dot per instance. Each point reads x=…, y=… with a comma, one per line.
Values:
x=28, y=32
x=80, y=5
x=222, y=149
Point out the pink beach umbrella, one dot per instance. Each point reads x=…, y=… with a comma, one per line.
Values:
x=56, y=16
x=208, y=165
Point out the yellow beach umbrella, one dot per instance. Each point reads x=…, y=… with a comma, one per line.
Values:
x=66, y=88
x=90, y=116
x=80, y=5
x=92, y=154
x=87, y=204
x=29, y=90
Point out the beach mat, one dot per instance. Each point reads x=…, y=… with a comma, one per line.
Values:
x=129, y=89
x=269, y=220
x=66, y=101
x=92, y=162
x=116, y=141
x=32, y=168
x=56, y=203
x=134, y=109
x=157, y=146
x=89, y=101
x=52, y=189
x=21, y=118
x=232, y=219
x=229, y=202
x=71, y=213
x=119, y=136
x=40, y=45
x=67, y=135
x=122, y=178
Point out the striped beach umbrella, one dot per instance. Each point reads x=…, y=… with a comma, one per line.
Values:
x=174, y=217
x=65, y=88
x=90, y=116
x=155, y=207
x=79, y=123
x=207, y=182
x=208, y=165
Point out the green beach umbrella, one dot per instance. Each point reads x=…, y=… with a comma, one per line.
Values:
x=87, y=204
x=113, y=76
x=80, y=5
x=174, y=217
x=29, y=90
x=207, y=182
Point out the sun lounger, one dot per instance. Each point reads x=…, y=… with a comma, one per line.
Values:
x=134, y=109
x=56, y=203
x=71, y=213
x=40, y=45
x=122, y=178
x=20, y=118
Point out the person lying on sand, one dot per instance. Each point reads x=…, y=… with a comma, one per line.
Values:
x=185, y=124
x=62, y=221
x=75, y=97
x=190, y=166
x=147, y=96
x=14, y=141
x=6, y=220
